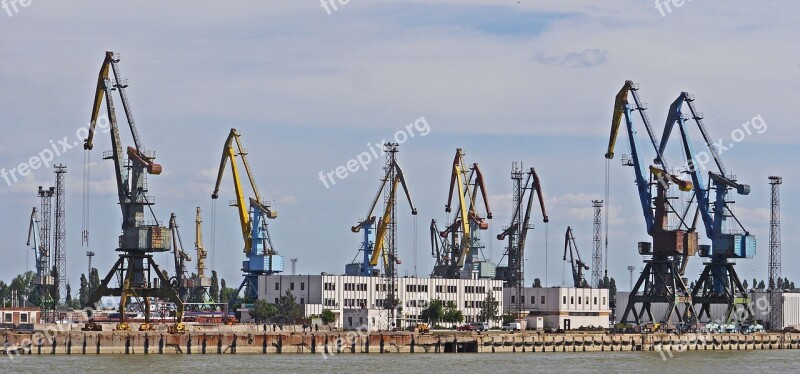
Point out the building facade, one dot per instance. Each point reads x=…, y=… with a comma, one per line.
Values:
x=19, y=315
x=339, y=293
x=560, y=307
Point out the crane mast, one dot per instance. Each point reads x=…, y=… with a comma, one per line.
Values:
x=661, y=280
x=262, y=258
x=140, y=237
x=718, y=283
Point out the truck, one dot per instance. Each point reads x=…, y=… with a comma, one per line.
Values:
x=512, y=326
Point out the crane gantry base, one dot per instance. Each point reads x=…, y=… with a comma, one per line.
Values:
x=719, y=284
x=662, y=285
x=135, y=271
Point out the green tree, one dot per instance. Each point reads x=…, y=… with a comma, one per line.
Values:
x=434, y=312
x=214, y=289
x=755, y=283
x=791, y=285
x=327, y=316
x=489, y=311
x=263, y=311
x=4, y=291
x=744, y=284
x=288, y=311
x=612, y=292
x=508, y=318
x=225, y=293
x=761, y=285
x=452, y=314
x=537, y=283
x=786, y=284
x=83, y=291
x=68, y=298
x=94, y=283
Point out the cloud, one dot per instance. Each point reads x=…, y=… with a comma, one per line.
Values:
x=588, y=58
x=287, y=200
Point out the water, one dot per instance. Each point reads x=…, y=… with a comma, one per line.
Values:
x=778, y=361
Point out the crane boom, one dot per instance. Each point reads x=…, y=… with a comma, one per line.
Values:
x=383, y=224
x=576, y=264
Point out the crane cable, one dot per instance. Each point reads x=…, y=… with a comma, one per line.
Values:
x=213, y=231
x=608, y=207
x=85, y=200
x=546, y=242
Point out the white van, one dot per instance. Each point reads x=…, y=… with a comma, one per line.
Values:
x=512, y=326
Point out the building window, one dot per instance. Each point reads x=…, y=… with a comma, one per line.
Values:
x=564, y=301
x=291, y=286
x=512, y=299
x=579, y=300
x=595, y=300
x=302, y=286
x=572, y=299
x=533, y=300
x=276, y=300
x=542, y=299
x=604, y=301
x=23, y=318
x=302, y=300
x=277, y=286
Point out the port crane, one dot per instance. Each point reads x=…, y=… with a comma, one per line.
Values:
x=513, y=275
x=201, y=280
x=181, y=280
x=44, y=280
x=661, y=280
x=718, y=283
x=140, y=237
x=517, y=231
x=576, y=264
x=262, y=258
x=374, y=251
x=464, y=245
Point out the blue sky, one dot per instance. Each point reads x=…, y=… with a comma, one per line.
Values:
x=505, y=81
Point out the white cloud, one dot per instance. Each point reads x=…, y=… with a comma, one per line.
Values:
x=588, y=58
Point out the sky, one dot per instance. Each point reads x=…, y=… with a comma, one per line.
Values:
x=311, y=86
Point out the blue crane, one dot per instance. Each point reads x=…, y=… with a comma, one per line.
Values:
x=718, y=283
x=661, y=280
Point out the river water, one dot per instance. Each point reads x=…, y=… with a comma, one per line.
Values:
x=767, y=361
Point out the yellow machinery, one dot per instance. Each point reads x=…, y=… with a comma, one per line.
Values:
x=262, y=259
x=463, y=245
x=140, y=237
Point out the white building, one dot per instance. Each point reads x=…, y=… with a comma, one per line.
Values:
x=344, y=295
x=561, y=307
x=786, y=304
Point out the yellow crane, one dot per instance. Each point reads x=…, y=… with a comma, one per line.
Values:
x=466, y=182
x=262, y=259
x=202, y=254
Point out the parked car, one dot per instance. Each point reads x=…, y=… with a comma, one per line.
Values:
x=480, y=326
x=512, y=326
x=467, y=327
